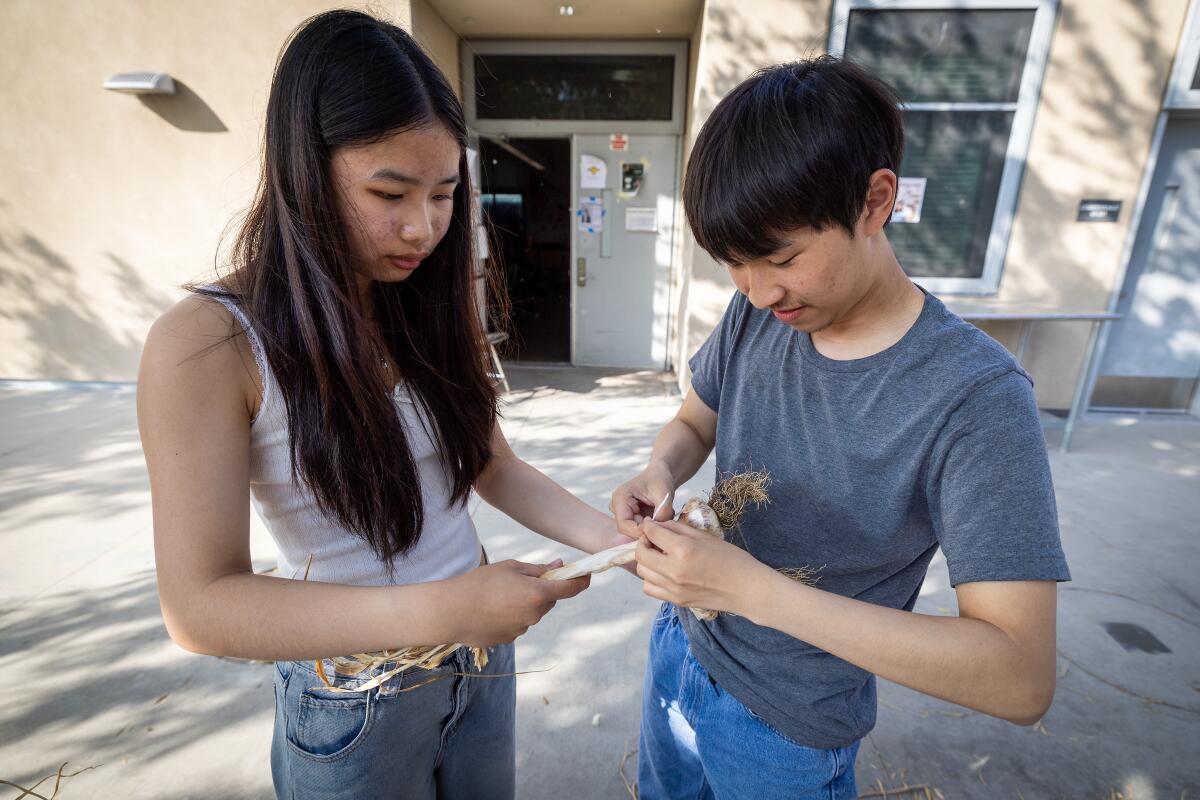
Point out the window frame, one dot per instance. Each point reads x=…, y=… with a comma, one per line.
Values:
x=1024, y=110
x=1180, y=96
x=543, y=47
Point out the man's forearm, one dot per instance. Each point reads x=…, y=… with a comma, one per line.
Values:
x=679, y=449
x=966, y=661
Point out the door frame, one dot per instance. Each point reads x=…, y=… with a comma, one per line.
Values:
x=570, y=129
x=673, y=276
x=521, y=132
x=529, y=133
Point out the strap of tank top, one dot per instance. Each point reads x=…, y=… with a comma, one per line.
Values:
x=256, y=347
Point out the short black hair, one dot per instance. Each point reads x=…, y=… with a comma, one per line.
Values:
x=792, y=146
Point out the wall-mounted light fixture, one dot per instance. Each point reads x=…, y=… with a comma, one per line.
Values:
x=141, y=83
x=566, y=11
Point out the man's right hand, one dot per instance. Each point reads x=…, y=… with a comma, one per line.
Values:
x=499, y=602
x=637, y=499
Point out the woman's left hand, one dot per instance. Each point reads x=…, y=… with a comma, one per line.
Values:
x=693, y=569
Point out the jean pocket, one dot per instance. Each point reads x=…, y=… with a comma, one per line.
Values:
x=665, y=612
x=762, y=723
x=330, y=725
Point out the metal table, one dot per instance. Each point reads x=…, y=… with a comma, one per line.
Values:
x=1027, y=315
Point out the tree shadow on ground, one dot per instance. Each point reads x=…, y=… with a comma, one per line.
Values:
x=81, y=442
x=94, y=676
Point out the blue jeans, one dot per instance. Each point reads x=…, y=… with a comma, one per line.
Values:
x=697, y=741
x=451, y=738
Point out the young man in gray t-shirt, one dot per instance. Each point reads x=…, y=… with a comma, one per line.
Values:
x=889, y=427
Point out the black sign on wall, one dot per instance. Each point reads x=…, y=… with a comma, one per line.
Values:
x=1098, y=210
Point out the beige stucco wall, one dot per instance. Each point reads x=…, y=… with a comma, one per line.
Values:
x=108, y=202
x=1104, y=82
x=731, y=40
x=1103, y=88
x=438, y=40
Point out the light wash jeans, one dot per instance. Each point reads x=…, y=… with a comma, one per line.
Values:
x=450, y=739
x=697, y=741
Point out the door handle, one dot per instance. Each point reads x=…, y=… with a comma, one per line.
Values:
x=581, y=271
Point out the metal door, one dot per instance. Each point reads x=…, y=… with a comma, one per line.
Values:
x=1159, y=333
x=621, y=265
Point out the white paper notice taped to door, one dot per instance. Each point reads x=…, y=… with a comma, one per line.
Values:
x=641, y=219
x=593, y=172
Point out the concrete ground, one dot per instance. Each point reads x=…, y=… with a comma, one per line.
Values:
x=91, y=679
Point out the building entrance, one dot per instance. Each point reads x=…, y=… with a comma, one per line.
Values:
x=526, y=202
x=579, y=147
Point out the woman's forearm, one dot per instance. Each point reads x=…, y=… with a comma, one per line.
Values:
x=966, y=661
x=531, y=498
x=263, y=617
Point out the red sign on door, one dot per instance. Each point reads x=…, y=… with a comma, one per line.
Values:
x=618, y=141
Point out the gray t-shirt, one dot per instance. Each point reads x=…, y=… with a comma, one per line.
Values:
x=874, y=463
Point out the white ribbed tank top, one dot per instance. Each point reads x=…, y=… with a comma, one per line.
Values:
x=448, y=545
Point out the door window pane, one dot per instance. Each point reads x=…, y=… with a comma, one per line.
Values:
x=961, y=156
x=944, y=56
x=592, y=87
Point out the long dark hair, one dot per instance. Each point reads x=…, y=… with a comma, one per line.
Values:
x=345, y=78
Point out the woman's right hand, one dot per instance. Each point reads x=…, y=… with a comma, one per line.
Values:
x=499, y=602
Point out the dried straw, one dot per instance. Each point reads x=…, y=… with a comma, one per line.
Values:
x=806, y=575
x=731, y=495
x=729, y=500
x=425, y=657
x=631, y=786
x=922, y=791
x=58, y=779
x=420, y=657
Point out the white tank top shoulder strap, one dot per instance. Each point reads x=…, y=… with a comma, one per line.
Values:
x=265, y=377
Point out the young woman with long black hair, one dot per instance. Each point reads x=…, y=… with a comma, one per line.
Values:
x=335, y=378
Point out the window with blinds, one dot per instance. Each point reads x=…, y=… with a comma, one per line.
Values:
x=959, y=75
x=574, y=87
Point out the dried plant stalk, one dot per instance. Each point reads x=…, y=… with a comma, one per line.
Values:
x=703, y=517
x=728, y=502
x=731, y=496
x=598, y=562
x=721, y=511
